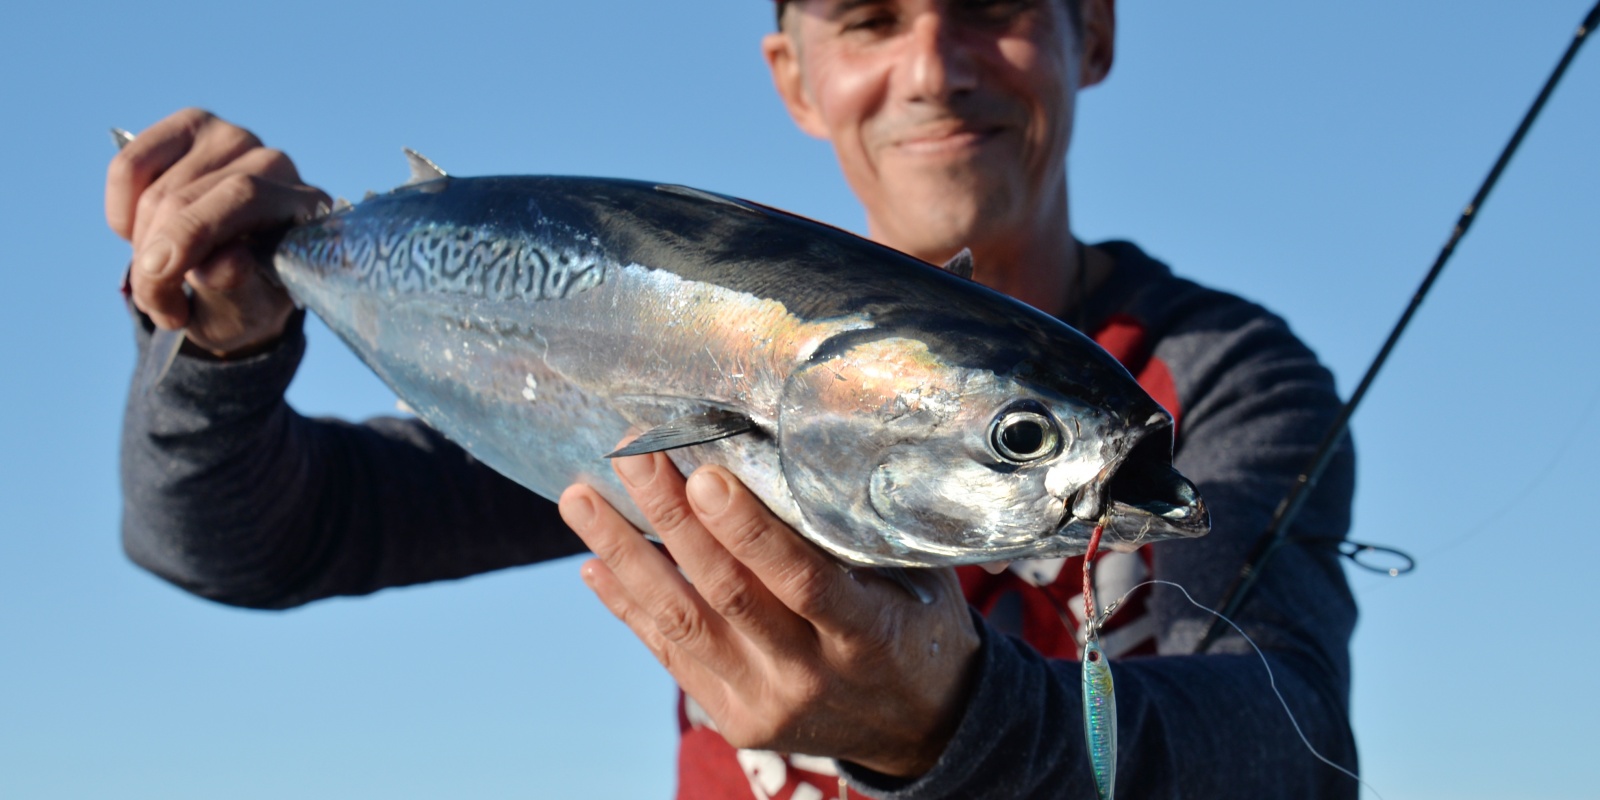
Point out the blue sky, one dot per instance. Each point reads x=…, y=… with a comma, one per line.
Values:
x=1311, y=156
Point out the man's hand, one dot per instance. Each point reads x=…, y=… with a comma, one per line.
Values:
x=187, y=193
x=783, y=648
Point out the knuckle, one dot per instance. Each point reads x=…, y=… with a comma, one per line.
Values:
x=667, y=513
x=241, y=189
x=811, y=597
x=274, y=160
x=613, y=550
x=744, y=532
x=193, y=117
x=679, y=623
x=732, y=598
x=152, y=202
x=234, y=137
x=167, y=200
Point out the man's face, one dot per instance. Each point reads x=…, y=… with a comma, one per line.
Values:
x=950, y=118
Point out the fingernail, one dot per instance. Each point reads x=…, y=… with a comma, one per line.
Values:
x=578, y=512
x=708, y=491
x=154, y=259
x=637, y=470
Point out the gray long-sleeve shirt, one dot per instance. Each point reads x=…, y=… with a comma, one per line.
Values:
x=233, y=496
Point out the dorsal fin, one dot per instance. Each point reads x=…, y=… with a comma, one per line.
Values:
x=422, y=168
x=960, y=264
x=121, y=137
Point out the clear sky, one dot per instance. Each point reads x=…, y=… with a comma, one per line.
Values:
x=1311, y=156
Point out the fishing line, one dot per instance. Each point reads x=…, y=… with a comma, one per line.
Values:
x=1274, y=537
x=1271, y=678
x=1519, y=500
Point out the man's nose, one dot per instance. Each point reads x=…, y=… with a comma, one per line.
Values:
x=938, y=64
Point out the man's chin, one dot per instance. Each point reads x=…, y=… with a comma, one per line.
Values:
x=933, y=219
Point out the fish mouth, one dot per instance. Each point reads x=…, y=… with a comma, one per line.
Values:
x=1147, y=499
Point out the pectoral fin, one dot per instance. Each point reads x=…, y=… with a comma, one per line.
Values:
x=706, y=426
x=901, y=577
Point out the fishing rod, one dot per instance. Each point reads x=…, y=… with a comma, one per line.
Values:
x=1276, y=534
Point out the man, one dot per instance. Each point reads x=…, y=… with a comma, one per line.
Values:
x=951, y=120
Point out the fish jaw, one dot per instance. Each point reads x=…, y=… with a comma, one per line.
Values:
x=1140, y=496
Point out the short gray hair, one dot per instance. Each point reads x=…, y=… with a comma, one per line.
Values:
x=1074, y=11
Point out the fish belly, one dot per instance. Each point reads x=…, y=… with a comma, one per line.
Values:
x=542, y=390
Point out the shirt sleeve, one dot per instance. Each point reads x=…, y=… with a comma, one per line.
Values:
x=1197, y=726
x=232, y=495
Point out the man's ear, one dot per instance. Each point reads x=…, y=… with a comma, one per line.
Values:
x=783, y=59
x=1099, y=41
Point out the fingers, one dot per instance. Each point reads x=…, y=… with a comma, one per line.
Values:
x=777, y=642
x=725, y=584
x=236, y=310
x=228, y=207
x=139, y=163
x=691, y=676
x=657, y=601
x=196, y=176
x=804, y=579
x=232, y=150
x=185, y=192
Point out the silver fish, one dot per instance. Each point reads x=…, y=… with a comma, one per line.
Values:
x=895, y=414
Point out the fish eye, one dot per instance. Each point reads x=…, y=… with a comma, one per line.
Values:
x=1024, y=433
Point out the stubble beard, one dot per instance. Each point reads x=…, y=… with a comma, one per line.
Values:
x=934, y=216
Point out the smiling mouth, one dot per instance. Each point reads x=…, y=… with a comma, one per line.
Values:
x=951, y=141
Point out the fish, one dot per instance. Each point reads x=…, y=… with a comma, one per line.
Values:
x=894, y=413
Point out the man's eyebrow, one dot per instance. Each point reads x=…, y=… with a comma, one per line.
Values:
x=839, y=8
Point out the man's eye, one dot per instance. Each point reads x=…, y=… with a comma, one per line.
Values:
x=870, y=23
